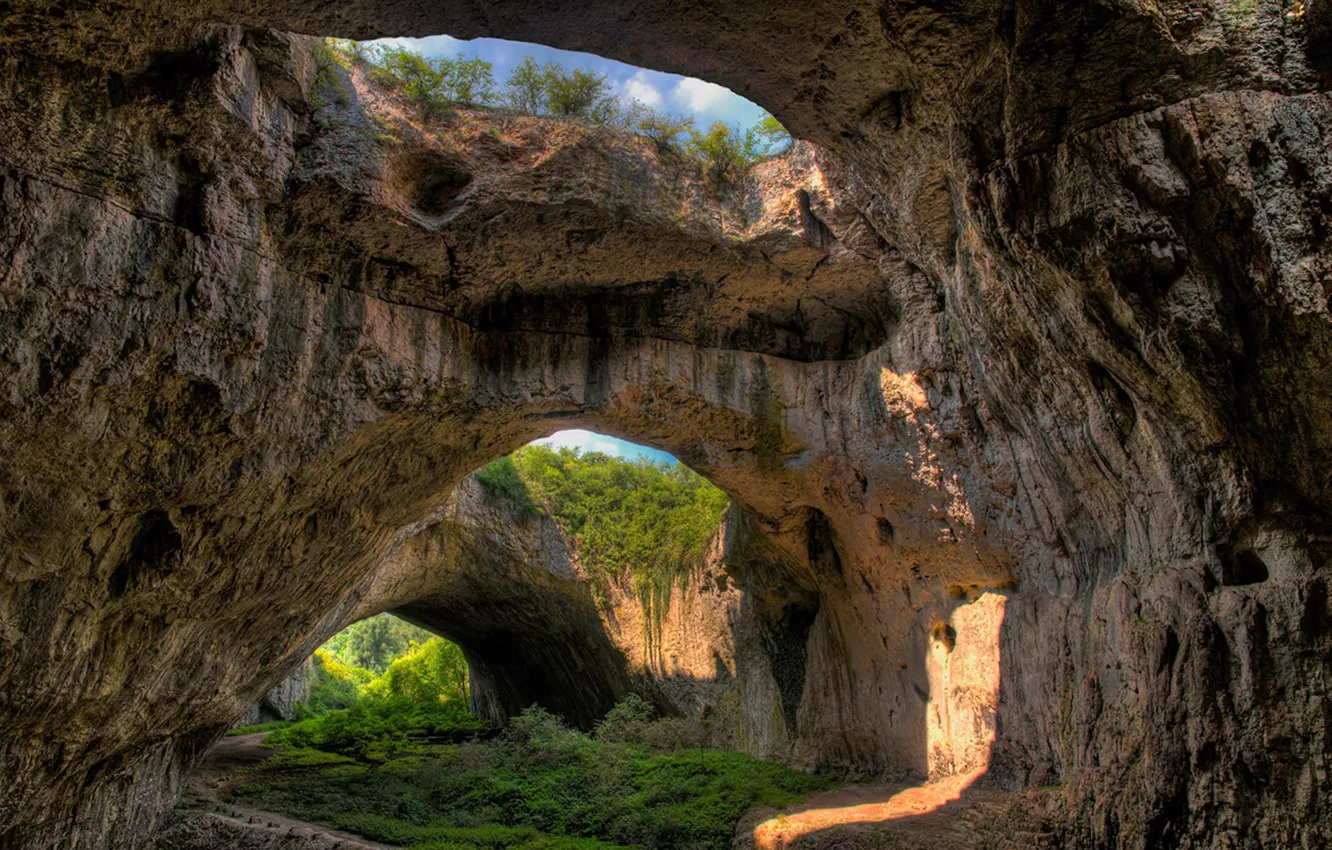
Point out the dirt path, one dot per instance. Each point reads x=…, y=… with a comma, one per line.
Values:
x=223, y=768
x=945, y=815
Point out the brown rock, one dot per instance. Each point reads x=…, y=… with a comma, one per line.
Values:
x=1069, y=345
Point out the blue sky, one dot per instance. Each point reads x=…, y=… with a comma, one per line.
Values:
x=686, y=96
x=591, y=441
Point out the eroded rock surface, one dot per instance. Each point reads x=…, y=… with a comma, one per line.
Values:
x=281, y=701
x=1066, y=340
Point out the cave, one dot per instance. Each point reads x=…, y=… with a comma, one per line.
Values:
x=1017, y=368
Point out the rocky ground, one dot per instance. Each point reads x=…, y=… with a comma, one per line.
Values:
x=204, y=821
x=1038, y=312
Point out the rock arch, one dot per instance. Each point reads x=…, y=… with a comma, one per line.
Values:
x=237, y=371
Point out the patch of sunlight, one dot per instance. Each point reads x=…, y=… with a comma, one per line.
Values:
x=839, y=808
x=962, y=663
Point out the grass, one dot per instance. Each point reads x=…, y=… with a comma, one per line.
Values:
x=271, y=726
x=375, y=729
x=537, y=785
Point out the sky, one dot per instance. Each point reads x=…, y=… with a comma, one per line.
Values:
x=684, y=96
x=591, y=441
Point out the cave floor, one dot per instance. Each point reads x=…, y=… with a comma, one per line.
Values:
x=224, y=767
x=948, y=814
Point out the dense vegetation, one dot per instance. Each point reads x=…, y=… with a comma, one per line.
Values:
x=432, y=86
x=373, y=643
x=381, y=669
x=387, y=748
x=536, y=785
x=648, y=521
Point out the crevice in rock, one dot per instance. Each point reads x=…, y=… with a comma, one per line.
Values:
x=1243, y=567
x=153, y=553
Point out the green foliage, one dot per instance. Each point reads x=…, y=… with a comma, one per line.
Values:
x=525, y=90
x=577, y=94
x=500, y=480
x=664, y=130
x=356, y=52
x=626, y=721
x=551, y=90
x=299, y=757
x=772, y=135
x=376, y=728
x=432, y=672
x=253, y=729
x=649, y=520
x=373, y=643
x=726, y=151
x=632, y=720
x=470, y=82
x=431, y=85
x=539, y=785
x=418, y=669
x=335, y=685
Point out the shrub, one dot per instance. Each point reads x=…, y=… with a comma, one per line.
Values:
x=430, y=85
x=335, y=685
x=626, y=720
x=538, y=729
x=664, y=130
x=632, y=721
x=500, y=480
x=257, y=727
x=375, y=729
x=725, y=151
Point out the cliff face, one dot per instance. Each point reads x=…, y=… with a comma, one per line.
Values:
x=280, y=701
x=1043, y=317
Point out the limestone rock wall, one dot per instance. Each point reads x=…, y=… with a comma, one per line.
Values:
x=1043, y=316
x=280, y=701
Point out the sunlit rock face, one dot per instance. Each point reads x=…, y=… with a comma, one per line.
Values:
x=1066, y=343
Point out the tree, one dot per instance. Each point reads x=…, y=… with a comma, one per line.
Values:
x=579, y=94
x=431, y=672
x=374, y=642
x=432, y=84
x=418, y=79
x=663, y=129
x=725, y=151
x=772, y=135
x=470, y=82
x=525, y=90
x=649, y=520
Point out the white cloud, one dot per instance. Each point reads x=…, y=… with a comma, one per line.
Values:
x=435, y=45
x=591, y=441
x=638, y=88
x=583, y=440
x=701, y=96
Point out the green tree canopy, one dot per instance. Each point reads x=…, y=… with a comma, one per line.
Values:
x=649, y=521
x=374, y=642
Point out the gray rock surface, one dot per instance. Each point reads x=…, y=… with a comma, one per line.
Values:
x=280, y=701
x=1043, y=317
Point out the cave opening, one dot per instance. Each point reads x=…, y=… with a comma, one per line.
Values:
x=674, y=111
x=556, y=619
